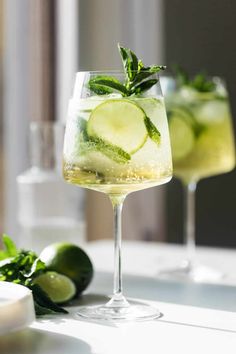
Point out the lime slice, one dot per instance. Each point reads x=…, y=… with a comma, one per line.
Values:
x=57, y=286
x=182, y=137
x=119, y=122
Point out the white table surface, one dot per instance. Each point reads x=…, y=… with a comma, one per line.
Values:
x=197, y=318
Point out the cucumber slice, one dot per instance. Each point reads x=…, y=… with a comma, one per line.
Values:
x=86, y=144
x=182, y=137
x=186, y=114
x=119, y=122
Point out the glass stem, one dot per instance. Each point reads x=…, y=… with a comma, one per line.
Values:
x=117, y=300
x=189, y=227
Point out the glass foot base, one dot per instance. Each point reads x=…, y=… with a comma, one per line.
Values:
x=193, y=272
x=135, y=312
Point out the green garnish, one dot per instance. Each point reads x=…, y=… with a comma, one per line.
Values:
x=10, y=248
x=114, y=152
x=21, y=267
x=103, y=85
x=199, y=81
x=136, y=75
x=187, y=115
x=153, y=132
x=89, y=144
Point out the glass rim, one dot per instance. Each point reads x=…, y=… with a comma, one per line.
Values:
x=169, y=75
x=111, y=71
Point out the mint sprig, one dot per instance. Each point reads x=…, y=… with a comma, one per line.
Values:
x=199, y=82
x=22, y=267
x=136, y=77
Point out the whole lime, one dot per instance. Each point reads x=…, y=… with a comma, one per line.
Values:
x=70, y=260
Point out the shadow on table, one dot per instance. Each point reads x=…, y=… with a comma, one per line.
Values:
x=32, y=341
x=219, y=297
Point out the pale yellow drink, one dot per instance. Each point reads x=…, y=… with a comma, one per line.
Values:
x=201, y=133
x=131, y=160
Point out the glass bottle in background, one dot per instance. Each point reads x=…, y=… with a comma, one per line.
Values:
x=48, y=209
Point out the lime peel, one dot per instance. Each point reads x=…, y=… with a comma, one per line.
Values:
x=58, y=287
x=115, y=121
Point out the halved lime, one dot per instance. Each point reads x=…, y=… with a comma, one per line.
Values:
x=70, y=260
x=119, y=122
x=181, y=136
x=58, y=287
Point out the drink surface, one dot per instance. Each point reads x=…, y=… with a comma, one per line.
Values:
x=201, y=134
x=121, y=157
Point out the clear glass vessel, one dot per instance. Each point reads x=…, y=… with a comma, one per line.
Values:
x=116, y=145
x=202, y=146
x=48, y=209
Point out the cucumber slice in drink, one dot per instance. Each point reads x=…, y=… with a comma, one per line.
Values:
x=119, y=122
x=182, y=138
x=186, y=114
x=86, y=144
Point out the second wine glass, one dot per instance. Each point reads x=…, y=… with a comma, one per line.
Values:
x=202, y=146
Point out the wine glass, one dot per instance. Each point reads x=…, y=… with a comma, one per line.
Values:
x=202, y=143
x=116, y=145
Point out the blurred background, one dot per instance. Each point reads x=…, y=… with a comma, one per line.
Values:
x=44, y=42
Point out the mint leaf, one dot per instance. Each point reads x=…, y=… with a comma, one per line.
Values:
x=134, y=61
x=114, y=152
x=144, y=86
x=99, y=89
x=140, y=65
x=153, y=132
x=103, y=85
x=36, y=268
x=44, y=305
x=144, y=74
x=201, y=84
x=41, y=311
x=127, y=61
x=10, y=246
x=108, y=85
